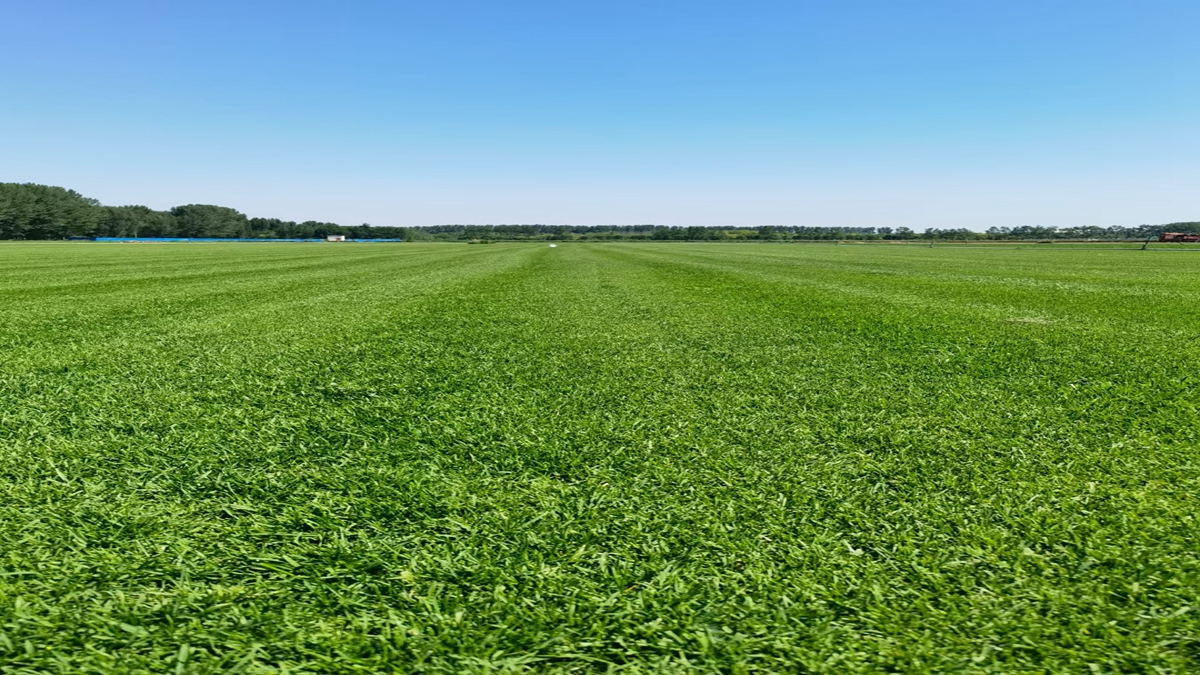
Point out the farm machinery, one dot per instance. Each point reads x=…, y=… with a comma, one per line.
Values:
x=1181, y=237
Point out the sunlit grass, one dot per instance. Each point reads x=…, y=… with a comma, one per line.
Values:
x=671, y=457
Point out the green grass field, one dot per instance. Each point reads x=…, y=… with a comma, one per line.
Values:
x=600, y=457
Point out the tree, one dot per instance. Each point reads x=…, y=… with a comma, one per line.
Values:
x=134, y=221
x=314, y=229
x=695, y=233
x=206, y=220
x=270, y=228
x=31, y=211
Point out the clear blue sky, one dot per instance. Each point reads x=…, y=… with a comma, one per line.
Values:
x=859, y=113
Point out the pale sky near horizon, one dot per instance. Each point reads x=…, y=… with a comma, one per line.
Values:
x=849, y=113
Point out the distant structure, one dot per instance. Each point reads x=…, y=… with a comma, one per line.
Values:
x=1179, y=236
x=335, y=237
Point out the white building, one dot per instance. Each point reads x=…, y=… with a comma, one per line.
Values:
x=335, y=237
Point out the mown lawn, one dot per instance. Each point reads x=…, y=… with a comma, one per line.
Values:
x=630, y=457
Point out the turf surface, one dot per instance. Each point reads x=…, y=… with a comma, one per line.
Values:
x=727, y=458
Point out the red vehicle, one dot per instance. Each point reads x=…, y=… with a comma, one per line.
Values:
x=1179, y=236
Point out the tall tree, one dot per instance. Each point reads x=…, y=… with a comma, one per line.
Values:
x=206, y=220
x=31, y=211
x=135, y=221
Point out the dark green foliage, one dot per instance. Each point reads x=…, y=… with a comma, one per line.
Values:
x=206, y=220
x=135, y=221
x=29, y=211
x=610, y=457
x=285, y=229
x=272, y=228
x=1089, y=232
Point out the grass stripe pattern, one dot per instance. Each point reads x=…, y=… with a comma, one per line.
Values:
x=317, y=458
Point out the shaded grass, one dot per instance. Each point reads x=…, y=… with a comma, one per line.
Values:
x=718, y=458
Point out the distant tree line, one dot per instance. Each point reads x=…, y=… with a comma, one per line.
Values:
x=29, y=211
x=488, y=233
